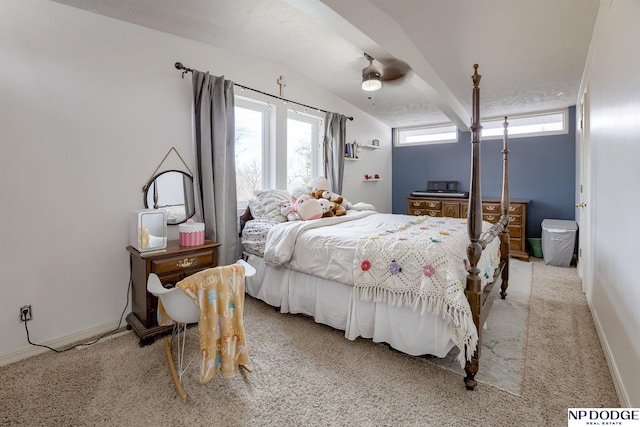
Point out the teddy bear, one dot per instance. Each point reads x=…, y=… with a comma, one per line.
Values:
x=339, y=210
x=319, y=183
x=334, y=199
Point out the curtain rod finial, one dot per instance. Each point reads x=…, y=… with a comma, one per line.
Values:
x=179, y=66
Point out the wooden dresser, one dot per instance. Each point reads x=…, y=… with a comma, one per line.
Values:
x=171, y=265
x=457, y=208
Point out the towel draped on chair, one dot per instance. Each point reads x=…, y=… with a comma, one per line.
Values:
x=219, y=293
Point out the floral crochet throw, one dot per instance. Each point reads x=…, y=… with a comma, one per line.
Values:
x=422, y=263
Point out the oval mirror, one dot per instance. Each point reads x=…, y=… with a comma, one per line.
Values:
x=172, y=192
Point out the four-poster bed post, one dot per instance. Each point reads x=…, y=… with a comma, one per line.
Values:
x=479, y=299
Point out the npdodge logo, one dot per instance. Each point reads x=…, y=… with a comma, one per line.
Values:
x=603, y=417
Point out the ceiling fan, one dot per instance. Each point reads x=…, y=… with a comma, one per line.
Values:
x=392, y=70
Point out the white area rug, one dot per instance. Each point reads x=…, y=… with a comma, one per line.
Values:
x=504, y=338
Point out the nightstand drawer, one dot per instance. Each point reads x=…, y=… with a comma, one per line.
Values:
x=171, y=265
x=180, y=263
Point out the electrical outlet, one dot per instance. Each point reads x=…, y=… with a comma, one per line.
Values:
x=25, y=313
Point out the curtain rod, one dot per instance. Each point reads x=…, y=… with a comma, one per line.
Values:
x=185, y=70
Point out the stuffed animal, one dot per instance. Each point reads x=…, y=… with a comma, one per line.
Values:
x=320, y=183
x=339, y=210
x=327, y=208
x=335, y=199
x=287, y=210
x=332, y=197
x=307, y=207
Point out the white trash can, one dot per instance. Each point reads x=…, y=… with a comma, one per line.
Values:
x=558, y=241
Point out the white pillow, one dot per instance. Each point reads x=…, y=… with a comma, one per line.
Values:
x=265, y=205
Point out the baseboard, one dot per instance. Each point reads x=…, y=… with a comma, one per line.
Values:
x=61, y=342
x=613, y=369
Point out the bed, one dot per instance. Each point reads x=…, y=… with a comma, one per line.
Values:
x=422, y=285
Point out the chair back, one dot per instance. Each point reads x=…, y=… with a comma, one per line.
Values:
x=176, y=303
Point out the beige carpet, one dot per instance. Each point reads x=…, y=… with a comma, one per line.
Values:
x=504, y=337
x=308, y=374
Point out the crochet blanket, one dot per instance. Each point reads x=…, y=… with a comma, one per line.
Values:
x=422, y=263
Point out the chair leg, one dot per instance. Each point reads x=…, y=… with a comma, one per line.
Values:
x=172, y=368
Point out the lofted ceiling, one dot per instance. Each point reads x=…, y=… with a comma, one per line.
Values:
x=531, y=53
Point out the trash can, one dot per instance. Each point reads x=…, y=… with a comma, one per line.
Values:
x=536, y=246
x=558, y=241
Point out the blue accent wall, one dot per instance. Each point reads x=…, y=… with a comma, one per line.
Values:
x=541, y=170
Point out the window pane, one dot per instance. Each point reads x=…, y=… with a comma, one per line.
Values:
x=537, y=124
x=249, y=142
x=302, y=148
x=426, y=135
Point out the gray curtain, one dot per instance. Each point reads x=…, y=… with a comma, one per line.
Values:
x=335, y=129
x=215, y=170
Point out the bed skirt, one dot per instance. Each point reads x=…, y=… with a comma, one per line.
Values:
x=331, y=303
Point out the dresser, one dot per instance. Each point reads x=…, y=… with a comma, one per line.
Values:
x=171, y=265
x=457, y=208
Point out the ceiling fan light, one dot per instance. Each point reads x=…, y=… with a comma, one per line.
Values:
x=371, y=82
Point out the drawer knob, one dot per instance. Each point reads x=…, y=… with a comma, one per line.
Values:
x=186, y=262
x=416, y=203
x=432, y=205
x=490, y=207
x=491, y=217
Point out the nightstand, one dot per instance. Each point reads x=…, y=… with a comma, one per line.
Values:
x=171, y=265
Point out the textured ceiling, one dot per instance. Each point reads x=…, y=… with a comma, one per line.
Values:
x=531, y=53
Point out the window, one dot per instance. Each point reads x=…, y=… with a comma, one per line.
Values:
x=304, y=156
x=421, y=135
x=252, y=135
x=549, y=123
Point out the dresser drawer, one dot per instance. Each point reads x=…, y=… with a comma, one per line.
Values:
x=451, y=209
x=178, y=264
x=516, y=245
x=515, y=231
x=425, y=212
x=515, y=210
x=491, y=208
x=425, y=204
x=515, y=220
x=492, y=218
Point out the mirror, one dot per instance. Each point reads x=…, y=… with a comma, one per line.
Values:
x=172, y=192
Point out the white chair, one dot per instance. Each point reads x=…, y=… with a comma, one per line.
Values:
x=182, y=309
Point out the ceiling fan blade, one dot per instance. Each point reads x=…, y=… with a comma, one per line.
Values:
x=394, y=69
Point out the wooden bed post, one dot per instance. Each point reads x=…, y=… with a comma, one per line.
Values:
x=505, y=249
x=474, y=229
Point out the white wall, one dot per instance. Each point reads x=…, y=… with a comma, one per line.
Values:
x=614, y=201
x=88, y=108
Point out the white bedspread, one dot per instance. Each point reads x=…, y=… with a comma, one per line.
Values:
x=430, y=252
x=323, y=247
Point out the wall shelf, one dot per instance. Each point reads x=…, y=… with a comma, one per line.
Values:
x=374, y=147
x=351, y=158
x=372, y=179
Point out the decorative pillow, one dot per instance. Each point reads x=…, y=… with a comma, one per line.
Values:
x=265, y=205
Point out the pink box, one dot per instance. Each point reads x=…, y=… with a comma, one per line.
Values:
x=191, y=234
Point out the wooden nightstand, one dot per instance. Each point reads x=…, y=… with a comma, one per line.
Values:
x=171, y=265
